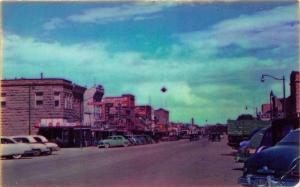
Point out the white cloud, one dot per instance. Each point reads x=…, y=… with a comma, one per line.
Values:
x=53, y=24
x=276, y=27
x=136, y=12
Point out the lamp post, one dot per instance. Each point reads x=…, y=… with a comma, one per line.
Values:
x=283, y=87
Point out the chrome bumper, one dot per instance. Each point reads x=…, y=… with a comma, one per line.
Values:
x=55, y=148
x=270, y=181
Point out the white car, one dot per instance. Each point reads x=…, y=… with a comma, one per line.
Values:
x=37, y=148
x=9, y=148
x=43, y=140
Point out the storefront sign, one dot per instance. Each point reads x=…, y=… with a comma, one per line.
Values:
x=57, y=123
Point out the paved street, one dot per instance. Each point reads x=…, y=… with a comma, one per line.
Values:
x=179, y=163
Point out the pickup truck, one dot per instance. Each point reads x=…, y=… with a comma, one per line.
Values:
x=240, y=130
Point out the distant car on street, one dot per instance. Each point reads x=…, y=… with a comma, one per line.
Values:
x=113, y=141
x=215, y=136
x=194, y=137
x=37, y=148
x=41, y=139
x=12, y=149
x=274, y=166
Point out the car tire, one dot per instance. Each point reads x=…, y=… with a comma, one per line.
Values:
x=37, y=153
x=106, y=145
x=49, y=152
x=16, y=156
x=125, y=144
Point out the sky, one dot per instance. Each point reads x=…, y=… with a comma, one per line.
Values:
x=209, y=56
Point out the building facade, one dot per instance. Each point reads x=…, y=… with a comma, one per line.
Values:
x=117, y=113
x=46, y=102
x=295, y=94
x=92, y=98
x=143, y=115
x=161, y=118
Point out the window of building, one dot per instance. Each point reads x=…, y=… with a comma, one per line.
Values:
x=39, y=99
x=39, y=93
x=68, y=101
x=3, y=94
x=56, y=99
x=3, y=104
x=39, y=103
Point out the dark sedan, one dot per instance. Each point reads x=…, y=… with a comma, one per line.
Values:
x=274, y=166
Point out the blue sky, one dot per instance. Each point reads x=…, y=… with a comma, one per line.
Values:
x=210, y=56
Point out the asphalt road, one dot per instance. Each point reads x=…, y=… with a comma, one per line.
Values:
x=178, y=163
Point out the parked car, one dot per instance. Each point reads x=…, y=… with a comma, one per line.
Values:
x=246, y=142
x=274, y=166
x=41, y=139
x=149, y=139
x=37, y=148
x=141, y=139
x=12, y=149
x=259, y=141
x=214, y=137
x=114, y=141
x=131, y=139
x=194, y=137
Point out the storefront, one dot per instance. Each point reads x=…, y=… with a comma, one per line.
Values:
x=65, y=134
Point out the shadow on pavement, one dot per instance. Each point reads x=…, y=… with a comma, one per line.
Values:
x=22, y=158
x=238, y=169
x=233, y=153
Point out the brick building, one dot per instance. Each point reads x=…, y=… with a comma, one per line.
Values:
x=92, y=98
x=117, y=113
x=293, y=101
x=41, y=103
x=161, y=118
x=143, y=115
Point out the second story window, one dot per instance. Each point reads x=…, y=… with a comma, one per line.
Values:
x=68, y=101
x=3, y=100
x=39, y=97
x=56, y=99
x=3, y=104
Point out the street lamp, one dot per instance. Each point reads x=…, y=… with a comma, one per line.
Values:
x=283, y=87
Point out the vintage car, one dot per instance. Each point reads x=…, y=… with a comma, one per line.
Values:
x=274, y=166
x=113, y=141
x=259, y=141
x=246, y=142
x=41, y=139
x=37, y=148
x=194, y=137
x=214, y=136
x=12, y=149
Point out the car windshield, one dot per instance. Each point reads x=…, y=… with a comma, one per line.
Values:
x=256, y=139
x=290, y=138
x=43, y=139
